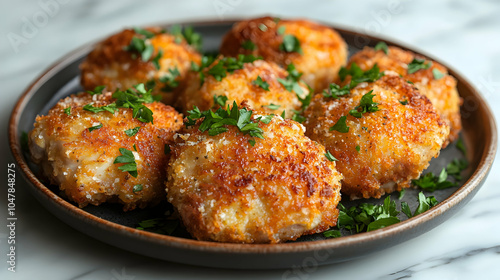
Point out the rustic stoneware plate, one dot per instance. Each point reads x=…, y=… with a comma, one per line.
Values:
x=109, y=224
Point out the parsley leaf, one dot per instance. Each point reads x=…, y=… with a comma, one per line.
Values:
x=156, y=59
x=437, y=74
x=456, y=167
x=359, y=76
x=249, y=45
x=220, y=100
x=425, y=203
x=291, y=83
x=430, y=182
x=417, y=64
x=330, y=157
x=340, y=125
x=261, y=83
x=146, y=33
x=159, y=225
x=273, y=106
x=262, y=27
x=382, y=46
x=290, y=44
x=404, y=102
x=67, y=111
x=252, y=142
x=229, y=64
x=137, y=188
x=332, y=233
x=461, y=146
x=281, y=30
x=107, y=108
x=214, y=122
x=97, y=90
x=358, y=148
x=187, y=33
x=128, y=158
x=133, y=131
x=336, y=91
x=170, y=79
x=366, y=105
x=95, y=127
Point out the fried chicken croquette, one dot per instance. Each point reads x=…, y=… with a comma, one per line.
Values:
x=258, y=83
x=126, y=59
x=384, y=149
x=76, y=150
x=227, y=190
x=316, y=50
x=440, y=88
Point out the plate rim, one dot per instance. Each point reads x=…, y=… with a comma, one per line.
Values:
x=478, y=176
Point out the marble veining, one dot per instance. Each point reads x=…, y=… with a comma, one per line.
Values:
x=464, y=34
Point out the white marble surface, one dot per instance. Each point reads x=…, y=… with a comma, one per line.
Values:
x=464, y=34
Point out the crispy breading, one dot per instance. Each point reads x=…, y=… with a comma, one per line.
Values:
x=227, y=190
x=239, y=86
x=395, y=143
x=442, y=93
x=323, y=49
x=111, y=65
x=80, y=161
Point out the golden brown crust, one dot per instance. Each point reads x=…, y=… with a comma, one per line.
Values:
x=111, y=65
x=442, y=93
x=395, y=143
x=240, y=86
x=229, y=191
x=324, y=50
x=80, y=161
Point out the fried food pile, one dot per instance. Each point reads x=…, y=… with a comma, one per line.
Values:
x=252, y=145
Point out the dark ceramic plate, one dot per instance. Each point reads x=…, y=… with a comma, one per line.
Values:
x=109, y=224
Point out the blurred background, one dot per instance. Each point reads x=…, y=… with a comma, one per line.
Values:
x=463, y=34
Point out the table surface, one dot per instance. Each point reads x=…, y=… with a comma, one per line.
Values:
x=463, y=34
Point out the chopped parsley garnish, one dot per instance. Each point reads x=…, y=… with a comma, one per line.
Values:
x=461, y=146
x=333, y=233
x=142, y=46
x=382, y=46
x=170, y=79
x=67, y=111
x=262, y=27
x=340, y=125
x=281, y=30
x=417, y=64
x=283, y=114
x=410, y=82
x=229, y=64
x=402, y=194
x=130, y=98
x=437, y=74
x=220, y=100
x=137, y=188
x=261, y=83
x=424, y=204
x=132, y=131
x=330, y=157
x=187, y=33
x=108, y=108
x=359, y=76
x=128, y=158
x=290, y=44
x=97, y=90
x=430, y=182
x=159, y=225
x=156, y=59
x=146, y=33
x=273, y=106
x=366, y=105
x=214, y=122
x=249, y=45
x=358, y=148
x=368, y=217
x=291, y=83
x=252, y=142
x=297, y=117
x=336, y=91
x=404, y=102
x=95, y=127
